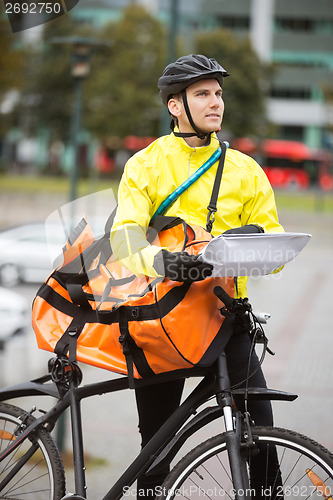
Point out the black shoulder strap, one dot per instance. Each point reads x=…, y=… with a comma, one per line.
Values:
x=160, y=223
x=215, y=192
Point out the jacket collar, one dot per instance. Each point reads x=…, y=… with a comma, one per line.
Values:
x=201, y=150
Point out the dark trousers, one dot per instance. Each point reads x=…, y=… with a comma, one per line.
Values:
x=156, y=403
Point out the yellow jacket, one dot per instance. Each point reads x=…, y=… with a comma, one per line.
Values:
x=245, y=197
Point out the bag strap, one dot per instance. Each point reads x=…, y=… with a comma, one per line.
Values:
x=68, y=341
x=134, y=355
x=216, y=187
x=185, y=185
x=160, y=223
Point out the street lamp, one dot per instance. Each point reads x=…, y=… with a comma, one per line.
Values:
x=82, y=50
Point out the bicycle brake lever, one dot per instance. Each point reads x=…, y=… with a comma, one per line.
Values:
x=261, y=338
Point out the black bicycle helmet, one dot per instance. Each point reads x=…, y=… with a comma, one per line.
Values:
x=187, y=70
x=179, y=75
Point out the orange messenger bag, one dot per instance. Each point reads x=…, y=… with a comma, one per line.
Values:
x=138, y=326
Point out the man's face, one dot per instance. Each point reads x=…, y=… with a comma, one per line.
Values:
x=206, y=106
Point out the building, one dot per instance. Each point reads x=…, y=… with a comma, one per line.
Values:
x=295, y=35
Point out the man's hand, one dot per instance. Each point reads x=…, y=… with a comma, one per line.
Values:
x=180, y=266
x=249, y=228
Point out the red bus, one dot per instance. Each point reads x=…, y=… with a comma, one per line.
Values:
x=290, y=164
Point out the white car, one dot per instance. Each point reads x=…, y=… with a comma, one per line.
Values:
x=14, y=314
x=25, y=253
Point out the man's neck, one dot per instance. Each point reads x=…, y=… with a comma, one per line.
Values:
x=195, y=142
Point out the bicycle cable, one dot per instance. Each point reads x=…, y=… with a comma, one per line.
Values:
x=257, y=331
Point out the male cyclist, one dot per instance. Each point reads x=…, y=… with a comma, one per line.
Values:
x=191, y=88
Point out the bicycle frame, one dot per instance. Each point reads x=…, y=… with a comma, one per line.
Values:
x=154, y=455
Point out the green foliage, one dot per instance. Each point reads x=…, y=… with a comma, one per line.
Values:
x=53, y=79
x=120, y=96
x=11, y=70
x=328, y=97
x=244, y=89
x=122, y=93
x=11, y=59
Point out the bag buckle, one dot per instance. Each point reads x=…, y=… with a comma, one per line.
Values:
x=210, y=218
x=135, y=312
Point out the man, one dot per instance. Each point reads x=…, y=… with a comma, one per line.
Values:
x=192, y=89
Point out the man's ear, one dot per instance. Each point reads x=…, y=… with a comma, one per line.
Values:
x=174, y=106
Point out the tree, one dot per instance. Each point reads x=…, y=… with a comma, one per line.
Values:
x=244, y=90
x=328, y=99
x=11, y=70
x=122, y=94
x=118, y=95
x=53, y=80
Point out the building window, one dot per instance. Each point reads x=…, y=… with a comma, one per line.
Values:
x=290, y=24
x=324, y=26
x=287, y=93
x=304, y=25
x=291, y=133
x=234, y=22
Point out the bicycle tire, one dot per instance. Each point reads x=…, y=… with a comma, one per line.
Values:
x=204, y=472
x=42, y=477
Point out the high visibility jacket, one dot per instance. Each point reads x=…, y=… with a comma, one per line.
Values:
x=245, y=197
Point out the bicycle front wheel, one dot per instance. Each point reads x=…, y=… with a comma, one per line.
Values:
x=304, y=470
x=34, y=470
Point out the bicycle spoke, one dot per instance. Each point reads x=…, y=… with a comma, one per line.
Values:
x=21, y=485
x=14, y=468
x=213, y=477
x=280, y=469
x=33, y=470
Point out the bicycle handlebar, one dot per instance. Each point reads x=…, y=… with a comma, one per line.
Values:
x=224, y=297
x=239, y=305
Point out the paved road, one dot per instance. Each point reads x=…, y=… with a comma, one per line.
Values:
x=300, y=331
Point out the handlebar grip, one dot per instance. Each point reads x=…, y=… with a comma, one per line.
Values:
x=224, y=297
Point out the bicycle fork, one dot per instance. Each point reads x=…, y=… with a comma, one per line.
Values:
x=233, y=431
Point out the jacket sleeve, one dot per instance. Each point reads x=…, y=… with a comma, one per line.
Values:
x=259, y=203
x=135, y=209
x=260, y=208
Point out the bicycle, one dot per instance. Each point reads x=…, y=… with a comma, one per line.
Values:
x=31, y=467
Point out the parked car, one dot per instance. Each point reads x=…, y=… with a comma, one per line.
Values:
x=14, y=314
x=25, y=253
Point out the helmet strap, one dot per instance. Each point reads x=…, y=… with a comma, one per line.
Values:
x=198, y=132
x=180, y=134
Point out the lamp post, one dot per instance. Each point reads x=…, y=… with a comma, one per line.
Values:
x=82, y=49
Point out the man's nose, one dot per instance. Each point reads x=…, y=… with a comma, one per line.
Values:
x=215, y=101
